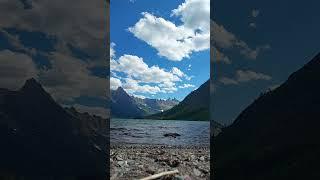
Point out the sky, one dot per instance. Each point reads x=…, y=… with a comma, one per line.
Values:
x=159, y=49
x=62, y=45
x=258, y=45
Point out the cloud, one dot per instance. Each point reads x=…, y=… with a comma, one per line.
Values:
x=228, y=81
x=66, y=78
x=98, y=111
x=70, y=77
x=179, y=73
x=80, y=23
x=255, y=13
x=253, y=54
x=187, y=86
x=189, y=67
x=139, y=96
x=252, y=25
x=217, y=56
x=194, y=14
x=115, y=83
x=137, y=76
x=135, y=67
x=15, y=69
x=168, y=87
x=223, y=39
x=132, y=86
x=244, y=76
x=177, y=42
x=112, y=51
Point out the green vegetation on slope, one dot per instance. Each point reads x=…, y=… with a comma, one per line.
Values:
x=194, y=107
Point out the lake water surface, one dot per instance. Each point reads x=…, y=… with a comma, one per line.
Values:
x=142, y=131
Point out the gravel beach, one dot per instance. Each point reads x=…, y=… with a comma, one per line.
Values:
x=140, y=161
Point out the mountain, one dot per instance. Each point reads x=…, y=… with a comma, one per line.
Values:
x=123, y=105
x=39, y=137
x=153, y=106
x=136, y=107
x=277, y=136
x=194, y=107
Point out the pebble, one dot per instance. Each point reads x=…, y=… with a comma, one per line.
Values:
x=179, y=178
x=151, y=170
x=196, y=172
x=136, y=162
x=119, y=158
x=192, y=157
x=120, y=163
x=174, y=163
x=202, y=158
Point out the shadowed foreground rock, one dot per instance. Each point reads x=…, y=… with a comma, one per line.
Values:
x=38, y=137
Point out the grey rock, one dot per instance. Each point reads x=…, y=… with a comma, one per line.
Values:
x=196, y=172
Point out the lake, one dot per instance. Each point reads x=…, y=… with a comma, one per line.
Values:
x=142, y=131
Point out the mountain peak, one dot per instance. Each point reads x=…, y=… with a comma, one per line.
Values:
x=32, y=88
x=120, y=89
x=31, y=84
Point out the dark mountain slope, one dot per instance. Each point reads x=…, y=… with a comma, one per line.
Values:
x=123, y=105
x=39, y=137
x=194, y=107
x=277, y=136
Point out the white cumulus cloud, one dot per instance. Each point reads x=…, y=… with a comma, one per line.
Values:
x=176, y=42
x=139, y=77
x=186, y=86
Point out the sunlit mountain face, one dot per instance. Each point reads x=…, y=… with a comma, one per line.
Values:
x=257, y=45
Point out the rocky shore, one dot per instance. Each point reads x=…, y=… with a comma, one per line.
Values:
x=140, y=161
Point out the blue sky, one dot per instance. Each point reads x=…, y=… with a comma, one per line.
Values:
x=265, y=41
x=191, y=64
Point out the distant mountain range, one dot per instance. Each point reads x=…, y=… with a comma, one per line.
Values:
x=277, y=136
x=39, y=137
x=152, y=106
x=125, y=106
x=195, y=106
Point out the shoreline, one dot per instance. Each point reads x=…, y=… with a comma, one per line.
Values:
x=136, y=161
x=137, y=145
x=148, y=119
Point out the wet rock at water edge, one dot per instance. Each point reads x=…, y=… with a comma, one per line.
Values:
x=174, y=135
